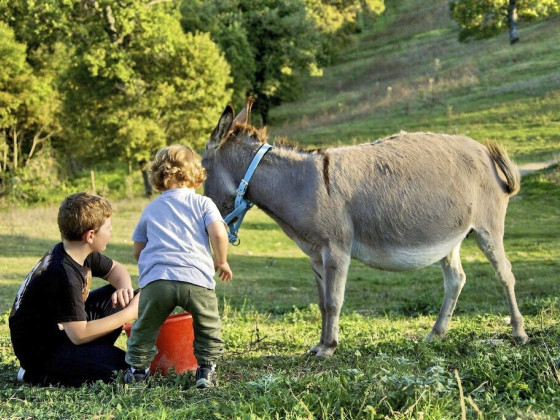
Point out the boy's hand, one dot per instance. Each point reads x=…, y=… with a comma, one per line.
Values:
x=122, y=297
x=223, y=271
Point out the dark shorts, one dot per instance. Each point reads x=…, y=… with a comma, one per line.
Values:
x=74, y=365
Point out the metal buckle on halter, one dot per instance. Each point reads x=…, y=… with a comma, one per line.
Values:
x=242, y=188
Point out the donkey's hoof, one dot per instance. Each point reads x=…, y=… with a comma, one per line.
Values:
x=521, y=339
x=321, y=351
x=316, y=349
x=432, y=336
x=325, y=353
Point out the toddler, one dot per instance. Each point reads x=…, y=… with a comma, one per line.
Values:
x=172, y=246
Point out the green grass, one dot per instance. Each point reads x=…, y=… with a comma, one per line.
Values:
x=484, y=89
x=382, y=368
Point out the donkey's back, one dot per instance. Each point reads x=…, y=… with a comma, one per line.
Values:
x=406, y=201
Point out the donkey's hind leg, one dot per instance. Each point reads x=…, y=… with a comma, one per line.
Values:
x=453, y=281
x=492, y=246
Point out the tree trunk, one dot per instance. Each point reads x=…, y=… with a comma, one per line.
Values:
x=146, y=179
x=512, y=22
x=110, y=27
x=263, y=105
x=3, y=164
x=15, y=151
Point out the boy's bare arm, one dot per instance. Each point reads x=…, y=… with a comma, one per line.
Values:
x=119, y=278
x=219, y=242
x=80, y=332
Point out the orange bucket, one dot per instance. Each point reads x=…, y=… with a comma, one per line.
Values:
x=174, y=343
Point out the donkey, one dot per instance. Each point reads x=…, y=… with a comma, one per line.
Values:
x=399, y=203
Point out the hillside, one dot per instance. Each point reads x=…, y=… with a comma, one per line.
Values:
x=409, y=72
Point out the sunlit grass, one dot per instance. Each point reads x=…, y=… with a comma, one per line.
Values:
x=431, y=82
x=382, y=368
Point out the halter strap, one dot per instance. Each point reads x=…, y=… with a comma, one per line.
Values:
x=242, y=205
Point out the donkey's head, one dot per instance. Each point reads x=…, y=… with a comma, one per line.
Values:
x=224, y=166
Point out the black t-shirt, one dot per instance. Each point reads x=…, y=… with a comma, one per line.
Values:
x=52, y=293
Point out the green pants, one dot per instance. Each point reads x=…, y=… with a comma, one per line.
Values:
x=157, y=300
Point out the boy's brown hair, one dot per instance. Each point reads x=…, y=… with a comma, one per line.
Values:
x=176, y=163
x=80, y=213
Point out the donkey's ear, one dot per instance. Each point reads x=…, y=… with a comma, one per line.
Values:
x=223, y=127
x=244, y=116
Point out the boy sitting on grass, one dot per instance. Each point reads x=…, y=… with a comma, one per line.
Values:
x=176, y=268
x=61, y=333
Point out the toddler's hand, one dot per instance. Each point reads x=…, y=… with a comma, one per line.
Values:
x=223, y=271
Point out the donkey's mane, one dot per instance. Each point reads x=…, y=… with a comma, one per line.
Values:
x=286, y=143
x=248, y=130
x=261, y=134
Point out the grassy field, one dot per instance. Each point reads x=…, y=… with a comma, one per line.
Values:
x=411, y=74
x=382, y=368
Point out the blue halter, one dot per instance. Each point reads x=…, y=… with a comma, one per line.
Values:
x=242, y=205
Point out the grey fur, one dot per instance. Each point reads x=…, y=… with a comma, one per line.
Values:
x=399, y=203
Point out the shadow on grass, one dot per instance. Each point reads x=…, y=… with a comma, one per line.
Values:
x=277, y=285
x=14, y=246
x=8, y=377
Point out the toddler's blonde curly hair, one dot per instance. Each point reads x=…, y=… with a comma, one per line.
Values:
x=176, y=165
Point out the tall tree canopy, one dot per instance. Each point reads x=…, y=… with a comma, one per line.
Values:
x=28, y=105
x=95, y=80
x=480, y=19
x=128, y=78
x=273, y=44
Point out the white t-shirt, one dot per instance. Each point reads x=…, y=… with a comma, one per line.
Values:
x=173, y=226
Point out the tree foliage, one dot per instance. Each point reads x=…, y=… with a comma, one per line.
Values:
x=91, y=81
x=124, y=77
x=480, y=19
x=336, y=20
x=273, y=44
x=28, y=106
x=160, y=77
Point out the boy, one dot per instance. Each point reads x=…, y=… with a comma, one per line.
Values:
x=172, y=245
x=61, y=333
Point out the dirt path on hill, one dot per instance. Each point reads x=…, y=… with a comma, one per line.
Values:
x=532, y=167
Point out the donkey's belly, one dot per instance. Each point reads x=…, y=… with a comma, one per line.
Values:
x=402, y=257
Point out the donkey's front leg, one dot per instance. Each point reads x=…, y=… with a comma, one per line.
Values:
x=335, y=269
x=317, y=266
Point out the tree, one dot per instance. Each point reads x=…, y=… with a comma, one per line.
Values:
x=144, y=83
x=480, y=19
x=272, y=45
x=223, y=20
x=28, y=105
x=285, y=46
x=337, y=20
x=263, y=41
x=132, y=80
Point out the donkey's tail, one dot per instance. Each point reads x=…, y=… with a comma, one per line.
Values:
x=508, y=168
